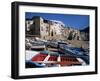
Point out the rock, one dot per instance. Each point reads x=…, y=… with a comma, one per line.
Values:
x=73, y=34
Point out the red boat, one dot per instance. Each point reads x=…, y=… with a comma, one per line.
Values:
x=51, y=59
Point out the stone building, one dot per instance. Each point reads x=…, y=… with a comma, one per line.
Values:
x=45, y=29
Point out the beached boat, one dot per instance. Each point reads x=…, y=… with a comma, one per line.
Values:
x=75, y=52
x=51, y=59
x=38, y=45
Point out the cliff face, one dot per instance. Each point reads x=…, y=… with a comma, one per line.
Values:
x=73, y=34
x=85, y=34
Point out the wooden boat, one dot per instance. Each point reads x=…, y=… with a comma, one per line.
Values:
x=54, y=59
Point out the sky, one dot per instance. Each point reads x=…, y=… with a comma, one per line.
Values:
x=71, y=20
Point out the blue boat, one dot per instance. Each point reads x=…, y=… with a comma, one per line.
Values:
x=75, y=52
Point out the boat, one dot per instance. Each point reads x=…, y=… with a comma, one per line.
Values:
x=51, y=59
x=38, y=45
x=75, y=52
